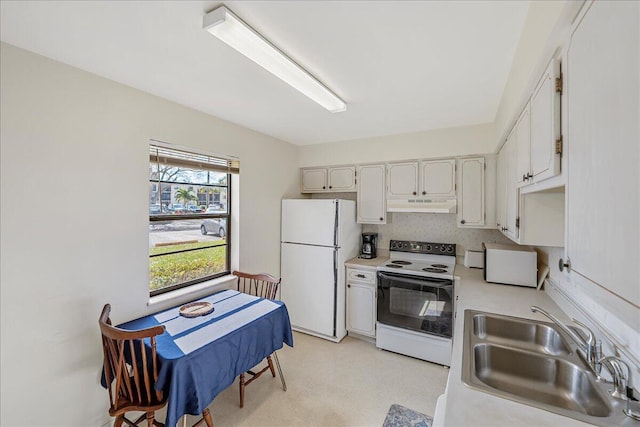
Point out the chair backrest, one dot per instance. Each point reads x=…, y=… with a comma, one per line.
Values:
x=132, y=365
x=262, y=285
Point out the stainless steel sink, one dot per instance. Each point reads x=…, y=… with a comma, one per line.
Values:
x=534, y=363
x=520, y=333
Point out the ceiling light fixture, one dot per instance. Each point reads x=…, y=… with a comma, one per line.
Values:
x=226, y=26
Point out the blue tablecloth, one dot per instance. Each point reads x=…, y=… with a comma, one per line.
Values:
x=199, y=357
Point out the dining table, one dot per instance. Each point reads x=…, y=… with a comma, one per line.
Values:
x=201, y=356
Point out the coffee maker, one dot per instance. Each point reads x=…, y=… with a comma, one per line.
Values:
x=368, y=249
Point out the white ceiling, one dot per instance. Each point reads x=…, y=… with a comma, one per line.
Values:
x=401, y=66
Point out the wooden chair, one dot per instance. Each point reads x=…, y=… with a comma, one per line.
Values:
x=134, y=367
x=264, y=286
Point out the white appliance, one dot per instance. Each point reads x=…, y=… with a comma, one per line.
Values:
x=318, y=236
x=510, y=264
x=415, y=300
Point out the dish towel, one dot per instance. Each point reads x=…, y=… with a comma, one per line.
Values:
x=399, y=416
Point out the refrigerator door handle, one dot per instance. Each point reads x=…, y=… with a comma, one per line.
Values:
x=336, y=224
x=335, y=291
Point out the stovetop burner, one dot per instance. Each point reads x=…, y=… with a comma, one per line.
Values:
x=434, y=270
x=421, y=259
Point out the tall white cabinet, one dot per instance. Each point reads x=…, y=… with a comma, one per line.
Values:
x=603, y=187
x=471, y=194
x=372, y=201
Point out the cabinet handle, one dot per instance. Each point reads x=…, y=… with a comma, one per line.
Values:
x=463, y=221
x=529, y=176
x=362, y=276
x=348, y=286
x=562, y=265
x=330, y=187
x=381, y=219
x=424, y=193
x=324, y=188
x=414, y=193
x=524, y=177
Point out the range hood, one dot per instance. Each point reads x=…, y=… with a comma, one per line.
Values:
x=422, y=205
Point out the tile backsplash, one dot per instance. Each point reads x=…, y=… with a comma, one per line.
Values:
x=425, y=227
x=438, y=228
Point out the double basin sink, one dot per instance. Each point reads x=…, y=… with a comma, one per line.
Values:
x=534, y=363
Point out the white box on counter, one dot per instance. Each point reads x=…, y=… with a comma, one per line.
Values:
x=510, y=264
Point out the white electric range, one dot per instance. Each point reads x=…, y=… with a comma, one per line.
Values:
x=415, y=302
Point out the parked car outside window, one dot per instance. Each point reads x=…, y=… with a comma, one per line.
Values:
x=214, y=225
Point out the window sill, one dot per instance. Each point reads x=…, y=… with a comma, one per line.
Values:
x=192, y=292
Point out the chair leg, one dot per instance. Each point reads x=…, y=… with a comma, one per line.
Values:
x=242, y=385
x=284, y=384
x=207, y=417
x=119, y=420
x=270, y=362
x=150, y=419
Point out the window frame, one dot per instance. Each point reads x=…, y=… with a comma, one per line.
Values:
x=227, y=215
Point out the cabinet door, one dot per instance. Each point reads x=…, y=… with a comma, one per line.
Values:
x=342, y=178
x=471, y=211
x=523, y=148
x=402, y=180
x=361, y=309
x=545, y=126
x=603, y=186
x=438, y=178
x=314, y=180
x=372, y=201
x=511, y=198
x=501, y=190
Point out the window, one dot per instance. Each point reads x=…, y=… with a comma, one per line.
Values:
x=189, y=216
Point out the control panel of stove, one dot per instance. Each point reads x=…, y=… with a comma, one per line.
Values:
x=423, y=247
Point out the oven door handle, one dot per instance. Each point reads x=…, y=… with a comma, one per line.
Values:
x=421, y=281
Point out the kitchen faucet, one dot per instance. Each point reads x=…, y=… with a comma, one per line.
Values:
x=590, y=347
x=622, y=388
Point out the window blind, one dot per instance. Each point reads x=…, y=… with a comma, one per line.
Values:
x=175, y=157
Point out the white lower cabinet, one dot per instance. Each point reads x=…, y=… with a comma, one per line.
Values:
x=361, y=302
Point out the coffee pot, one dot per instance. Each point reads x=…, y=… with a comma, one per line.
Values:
x=368, y=249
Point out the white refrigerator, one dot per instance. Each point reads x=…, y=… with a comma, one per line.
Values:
x=318, y=236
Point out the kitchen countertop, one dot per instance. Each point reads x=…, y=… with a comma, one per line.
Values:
x=464, y=406
x=369, y=264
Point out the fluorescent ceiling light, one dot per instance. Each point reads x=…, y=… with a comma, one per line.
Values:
x=222, y=23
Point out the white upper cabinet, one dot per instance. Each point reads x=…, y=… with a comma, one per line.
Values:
x=512, y=221
x=314, y=180
x=539, y=145
x=342, y=178
x=546, y=145
x=507, y=192
x=522, y=137
x=329, y=180
x=438, y=178
x=427, y=178
x=603, y=149
x=471, y=208
x=501, y=190
x=402, y=180
x=372, y=203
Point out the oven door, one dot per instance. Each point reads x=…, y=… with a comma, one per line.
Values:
x=422, y=304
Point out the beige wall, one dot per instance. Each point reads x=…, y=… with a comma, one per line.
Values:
x=74, y=171
x=436, y=143
x=546, y=27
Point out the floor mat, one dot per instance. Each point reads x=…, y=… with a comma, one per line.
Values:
x=399, y=416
